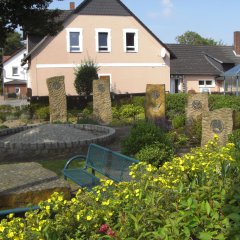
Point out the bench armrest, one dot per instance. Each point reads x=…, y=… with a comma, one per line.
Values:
x=77, y=157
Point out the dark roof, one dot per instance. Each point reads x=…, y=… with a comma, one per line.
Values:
x=211, y=60
x=16, y=82
x=100, y=7
x=103, y=7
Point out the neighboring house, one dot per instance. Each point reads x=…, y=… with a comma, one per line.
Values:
x=14, y=75
x=199, y=68
x=106, y=31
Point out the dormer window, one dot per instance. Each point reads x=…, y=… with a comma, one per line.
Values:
x=103, y=40
x=74, y=39
x=130, y=37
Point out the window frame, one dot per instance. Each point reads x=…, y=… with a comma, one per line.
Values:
x=17, y=73
x=109, y=38
x=80, y=31
x=136, y=39
x=205, y=83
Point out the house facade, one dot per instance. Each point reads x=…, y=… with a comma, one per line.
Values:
x=200, y=68
x=108, y=33
x=15, y=75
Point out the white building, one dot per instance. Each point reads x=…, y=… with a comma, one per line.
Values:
x=14, y=75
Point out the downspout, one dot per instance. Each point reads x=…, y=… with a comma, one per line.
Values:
x=224, y=85
x=237, y=85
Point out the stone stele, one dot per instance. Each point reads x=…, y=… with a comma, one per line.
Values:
x=28, y=183
x=218, y=122
x=102, y=106
x=155, y=106
x=197, y=104
x=57, y=99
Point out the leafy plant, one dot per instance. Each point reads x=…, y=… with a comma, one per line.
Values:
x=43, y=113
x=85, y=74
x=155, y=154
x=178, y=121
x=142, y=134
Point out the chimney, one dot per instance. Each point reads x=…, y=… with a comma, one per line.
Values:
x=72, y=5
x=237, y=42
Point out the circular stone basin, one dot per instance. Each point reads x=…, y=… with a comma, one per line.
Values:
x=54, y=136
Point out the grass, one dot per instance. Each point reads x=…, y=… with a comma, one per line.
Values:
x=58, y=165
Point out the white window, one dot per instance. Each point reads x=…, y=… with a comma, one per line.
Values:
x=74, y=40
x=15, y=71
x=206, y=83
x=103, y=40
x=130, y=38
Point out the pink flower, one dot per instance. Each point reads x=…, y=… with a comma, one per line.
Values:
x=110, y=232
x=103, y=228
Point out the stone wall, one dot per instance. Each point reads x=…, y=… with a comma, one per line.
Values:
x=57, y=99
x=197, y=104
x=102, y=106
x=28, y=150
x=218, y=122
x=155, y=106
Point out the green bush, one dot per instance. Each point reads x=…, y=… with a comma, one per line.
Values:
x=3, y=126
x=138, y=101
x=194, y=131
x=175, y=104
x=85, y=74
x=142, y=134
x=193, y=197
x=178, y=139
x=43, y=113
x=224, y=101
x=178, y=121
x=155, y=154
x=130, y=111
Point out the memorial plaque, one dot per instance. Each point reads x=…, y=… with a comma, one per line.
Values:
x=57, y=99
x=197, y=104
x=218, y=122
x=155, y=103
x=102, y=106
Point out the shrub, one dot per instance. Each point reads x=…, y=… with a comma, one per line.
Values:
x=175, y=104
x=85, y=74
x=224, y=101
x=130, y=111
x=138, y=101
x=192, y=197
x=155, y=154
x=178, y=139
x=178, y=121
x=194, y=131
x=142, y=134
x=43, y=113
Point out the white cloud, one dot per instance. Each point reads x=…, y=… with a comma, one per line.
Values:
x=167, y=7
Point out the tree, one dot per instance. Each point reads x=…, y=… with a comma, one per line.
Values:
x=85, y=74
x=12, y=43
x=32, y=16
x=193, y=38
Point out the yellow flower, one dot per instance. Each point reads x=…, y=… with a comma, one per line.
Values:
x=89, y=218
x=10, y=235
x=2, y=228
x=106, y=203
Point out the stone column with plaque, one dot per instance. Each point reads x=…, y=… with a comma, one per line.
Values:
x=196, y=105
x=102, y=105
x=218, y=122
x=155, y=105
x=57, y=99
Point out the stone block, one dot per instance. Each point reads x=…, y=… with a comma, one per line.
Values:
x=218, y=122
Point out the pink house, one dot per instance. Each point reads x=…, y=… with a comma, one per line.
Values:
x=106, y=31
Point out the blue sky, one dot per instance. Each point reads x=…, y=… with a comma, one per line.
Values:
x=216, y=19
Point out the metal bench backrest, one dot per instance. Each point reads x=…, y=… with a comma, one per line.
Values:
x=111, y=164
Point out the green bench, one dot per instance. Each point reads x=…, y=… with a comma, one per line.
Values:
x=107, y=163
